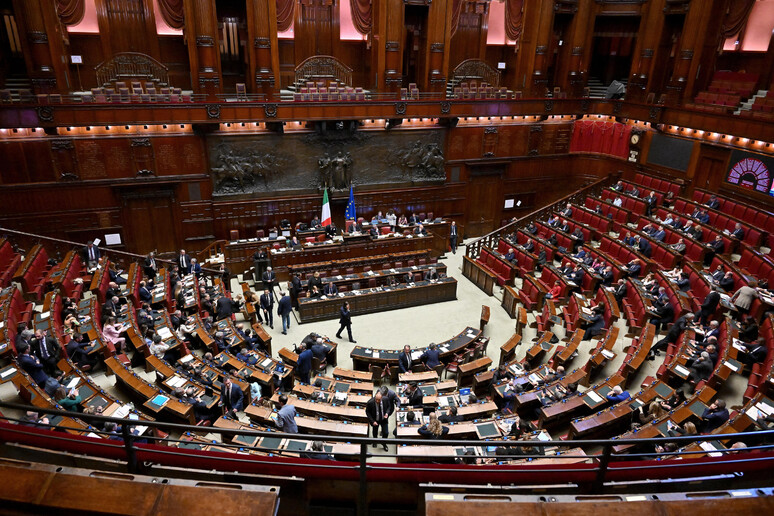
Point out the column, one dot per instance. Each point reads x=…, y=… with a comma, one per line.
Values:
x=648, y=38
x=42, y=39
x=262, y=48
x=201, y=32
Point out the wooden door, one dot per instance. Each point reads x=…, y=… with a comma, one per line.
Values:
x=149, y=221
x=484, y=203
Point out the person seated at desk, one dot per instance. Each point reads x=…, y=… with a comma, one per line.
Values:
x=500, y=374
x=641, y=416
x=317, y=452
x=294, y=244
x=408, y=277
x=319, y=349
x=411, y=420
x=553, y=221
x=541, y=259
x=717, y=246
x=748, y=329
x=564, y=227
x=555, y=291
x=315, y=292
x=577, y=237
x=244, y=356
x=375, y=219
x=402, y=220
x=433, y=429
x=404, y=360
x=78, y=351
x=618, y=202
x=331, y=230
x=373, y=231
x=605, y=272
x=683, y=282
x=595, y=324
x=451, y=416
x=314, y=223
x=567, y=211
x=414, y=219
x=510, y=255
x=679, y=246
x=620, y=291
x=160, y=349
x=221, y=342
x=112, y=333
x=727, y=281
x=413, y=394
x=754, y=353
x=714, y=416
x=54, y=382
x=330, y=289
x=618, y=395
x=576, y=276
x=629, y=239
x=200, y=409
x=431, y=357
x=420, y=230
x=633, y=268
x=315, y=281
x=69, y=401
x=700, y=369
x=431, y=275
x=529, y=246
x=738, y=231
x=672, y=336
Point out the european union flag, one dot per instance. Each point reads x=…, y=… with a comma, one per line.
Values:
x=351, y=206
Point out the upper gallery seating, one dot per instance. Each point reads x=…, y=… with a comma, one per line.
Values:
x=726, y=90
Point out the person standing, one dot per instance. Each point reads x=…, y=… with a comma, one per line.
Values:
x=345, y=320
x=453, y=237
x=267, y=305
x=377, y=411
x=284, y=308
x=304, y=363
x=231, y=397
x=286, y=416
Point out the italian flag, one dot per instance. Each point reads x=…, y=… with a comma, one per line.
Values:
x=326, y=210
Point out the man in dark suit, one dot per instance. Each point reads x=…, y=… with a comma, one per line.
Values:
x=414, y=219
x=683, y=282
x=567, y=211
x=231, y=397
x=431, y=275
x=650, y=203
x=714, y=416
x=431, y=357
x=345, y=321
x=565, y=226
x=284, y=308
x=633, y=268
x=32, y=366
x=715, y=247
x=673, y=334
x=645, y=248
x=510, y=255
x=659, y=234
x=225, y=307
x=304, y=364
x=620, y=292
x=377, y=412
x=149, y=267
x=594, y=325
x=145, y=293
x=678, y=246
x=529, y=246
x=184, y=263
x=607, y=276
x=420, y=230
x=718, y=273
x=453, y=237
x=755, y=353
x=708, y=307
x=713, y=203
x=330, y=289
x=267, y=306
x=541, y=259
x=46, y=349
x=269, y=278
x=404, y=360
x=738, y=232
x=664, y=312
x=414, y=395
x=91, y=255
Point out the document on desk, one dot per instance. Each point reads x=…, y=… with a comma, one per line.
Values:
x=765, y=408
x=682, y=370
x=121, y=411
x=753, y=413
x=267, y=362
x=607, y=354
x=593, y=396
x=164, y=332
x=176, y=381
x=73, y=383
x=731, y=366
x=375, y=354
x=186, y=359
x=8, y=372
x=713, y=452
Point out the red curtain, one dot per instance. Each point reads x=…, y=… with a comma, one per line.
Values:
x=513, y=20
x=456, y=11
x=361, y=15
x=172, y=12
x=71, y=11
x=736, y=17
x=601, y=137
x=285, y=11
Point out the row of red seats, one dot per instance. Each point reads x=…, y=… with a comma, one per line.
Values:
x=525, y=260
x=660, y=253
x=634, y=307
x=721, y=221
x=600, y=223
x=756, y=264
x=757, y=217
x=9, y=262
x=13, y=310
x=699, y=287
x=618, y=215
x=644, y=191
x=728, y=266
x=32, y=272
x=623, y=254
x=633, y=204
x=694, y=251
x=532, y=292
x=590, y=281
x=562, y=239
x=522, y=237
x=658, y=184
x=761, y=371
x=503, y=270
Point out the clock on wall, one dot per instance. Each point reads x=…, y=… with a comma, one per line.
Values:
x=750, y=173
x=635, y=139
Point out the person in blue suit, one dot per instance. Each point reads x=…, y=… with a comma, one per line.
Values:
x=32, y=366
x=431, y=357
x=231, y=397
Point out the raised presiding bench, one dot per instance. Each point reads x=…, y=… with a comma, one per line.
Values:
x=378, y=299
x=363, y=357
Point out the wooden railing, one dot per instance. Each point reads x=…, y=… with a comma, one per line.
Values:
x=326, y=68
x=473, y=248
x=476, y=69
x=58, y=247
x=128, y=66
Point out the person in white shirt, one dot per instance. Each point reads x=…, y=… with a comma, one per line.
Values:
x=157, y=347
x=618, y=201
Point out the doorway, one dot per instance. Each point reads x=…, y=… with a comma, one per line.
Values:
x=484, y=201
x=149, y=220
